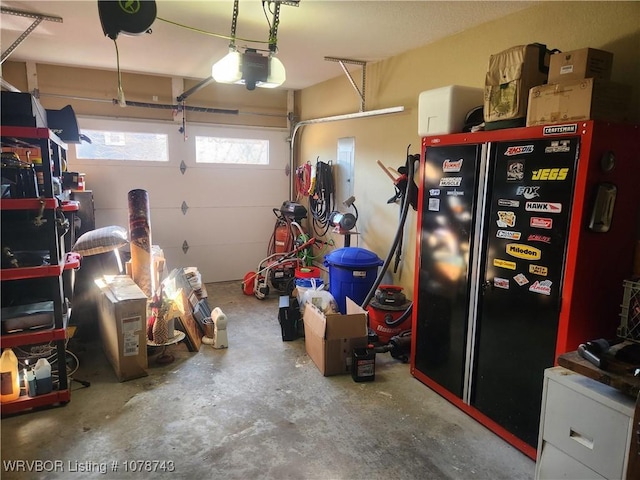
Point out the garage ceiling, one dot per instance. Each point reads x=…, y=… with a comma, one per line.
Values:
x=360, y=30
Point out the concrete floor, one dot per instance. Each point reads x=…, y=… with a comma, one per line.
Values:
x=259, y=409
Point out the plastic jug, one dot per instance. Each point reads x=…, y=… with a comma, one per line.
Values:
x=42, y=370
x=9, y=378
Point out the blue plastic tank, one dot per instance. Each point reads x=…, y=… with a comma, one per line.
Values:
x=352, y=273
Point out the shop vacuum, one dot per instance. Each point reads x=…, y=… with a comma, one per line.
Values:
x=389, y=313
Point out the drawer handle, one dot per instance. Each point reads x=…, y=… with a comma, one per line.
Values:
x=581, y=439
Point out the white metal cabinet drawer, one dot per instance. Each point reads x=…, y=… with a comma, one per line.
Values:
x=555, y=465
x=590, y=422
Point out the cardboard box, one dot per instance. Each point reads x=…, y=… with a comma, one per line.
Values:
x=123, y=325
x=443, y=110
x=330, y=339
x=575, y=101
x=580, y=64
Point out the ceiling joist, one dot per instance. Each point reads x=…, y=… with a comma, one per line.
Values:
x=38, y=19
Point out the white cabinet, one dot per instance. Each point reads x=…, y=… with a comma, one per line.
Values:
x=585, y=428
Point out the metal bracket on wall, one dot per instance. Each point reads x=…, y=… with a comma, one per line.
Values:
x=184, y=208
x=38, y=20
x=185, y=247
x=342, y=62
x=183, y=167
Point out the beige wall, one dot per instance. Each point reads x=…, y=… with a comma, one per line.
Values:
x=458, y=60
x=261, y=107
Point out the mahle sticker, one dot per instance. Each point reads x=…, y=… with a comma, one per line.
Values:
x=550, y=174
x=538, y=270
x=501, y=282
x=504, y=264
x=506, y=219
x=452, y=166
x=508, y=234
x=434, y=192
x=521, y=279
x=543, y=287
x=450, y=181
x=504, y=202
x=525, y=252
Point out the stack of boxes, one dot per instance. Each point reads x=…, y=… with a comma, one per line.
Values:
x=578, y=88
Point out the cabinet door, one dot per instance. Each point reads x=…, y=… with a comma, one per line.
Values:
x=517, y=326
x=449, y=201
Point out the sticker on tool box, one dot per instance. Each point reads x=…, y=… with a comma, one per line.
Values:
x=450, y=181
x=504, y=264
x=521, y=279
x=543, y=287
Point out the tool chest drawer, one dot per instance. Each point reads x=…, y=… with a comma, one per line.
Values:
x=588, y=421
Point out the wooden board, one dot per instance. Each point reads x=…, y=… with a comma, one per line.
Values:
x=188, y=323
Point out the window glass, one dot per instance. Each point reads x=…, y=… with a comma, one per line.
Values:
x=149, y=147
x=239, y=151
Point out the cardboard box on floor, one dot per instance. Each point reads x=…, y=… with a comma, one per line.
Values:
x=123, y=325
x=330, y=339
x=586, y=99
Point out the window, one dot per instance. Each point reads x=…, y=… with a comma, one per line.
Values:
x=238, y=151
x=148, y=147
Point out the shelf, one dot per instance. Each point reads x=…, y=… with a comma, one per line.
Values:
x=29, y=203
x=70, y=206
x=32, y=132
x=33, y=337
x=25, y=402
x=31, y=272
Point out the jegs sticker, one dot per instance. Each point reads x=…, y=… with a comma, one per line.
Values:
x=521, y=279
x=508, y=234
x=434, y=192
x=452, y=166
x=547, y=207
x=550, y=174
x=528, y=192
x=525, y=252
x=504, y=264
x=450, y=181
x=501, y=282
x=538, y=270
x=543, y=287
x=518, y=150
x=515, y=171
x=541, y=222
x=506, y=219
x=434, y=205
x=503, y=202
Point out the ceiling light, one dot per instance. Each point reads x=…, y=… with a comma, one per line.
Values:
x=250, y=68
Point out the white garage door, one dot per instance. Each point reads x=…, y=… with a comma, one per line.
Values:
x=215, y=216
